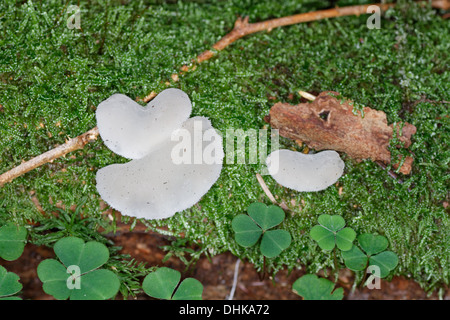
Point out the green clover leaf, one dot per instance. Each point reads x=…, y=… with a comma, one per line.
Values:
x=247, y=232
x=311, y=287
x=274, y=242
x=9, y=285
x=162, y=284
x=249, y=228
x=77, y=275
x=373, y=254
x=331, y=233
x=266, y=216
x=12, y=241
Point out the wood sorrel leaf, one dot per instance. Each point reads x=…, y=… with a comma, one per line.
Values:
x=9, y=284
x=386, y=261
x=266, y=216
x=344, y=238
x=333, y=223
x=355, y=259
x=246, y=231
x=372, y=244
x=311, y=287
x=274, y=242
x=77, y=275
x=12, y=241
x=162, y=283
x=331, y=233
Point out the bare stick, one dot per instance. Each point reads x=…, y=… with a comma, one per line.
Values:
x=71, y=145
x=269, y=194
x=242, y=28
x=307, y=95
x=266, y=189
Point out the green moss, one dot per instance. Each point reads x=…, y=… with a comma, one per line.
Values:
x=51, y=79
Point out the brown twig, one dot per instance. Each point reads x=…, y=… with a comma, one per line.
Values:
x=71, y=145
x=241, y=29
x=269, y=194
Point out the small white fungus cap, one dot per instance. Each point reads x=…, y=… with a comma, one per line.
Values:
x=157, y=185
x=305, y=172
x=132, y=131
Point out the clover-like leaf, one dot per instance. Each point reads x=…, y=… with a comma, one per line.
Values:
x=266, y=216
x=189, y=289
x=77, y=275
x=247, y=232
x=386, y=261
x=9, y=285
x=333, y=223
x=12, y=241
x=372, y=244
x=249, y=228
x=311, y=287
x=355, y=259
x=373, y=255
x=331, y=233
x=162, y=284
x=274, y=242
x=87, y=256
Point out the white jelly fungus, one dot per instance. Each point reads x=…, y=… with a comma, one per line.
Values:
x=132, y=131
x=180, y=167
x=305, y=172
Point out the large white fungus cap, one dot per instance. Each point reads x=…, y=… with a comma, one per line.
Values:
x=133, y=131
x=305, y=172
x=155, y=186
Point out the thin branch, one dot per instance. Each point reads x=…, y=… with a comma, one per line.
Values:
x=269, y=194
x=71, y=145
x=266, y=189
x=307, y=95
x=243, y=28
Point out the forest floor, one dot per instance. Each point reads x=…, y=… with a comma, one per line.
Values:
x=216, y=274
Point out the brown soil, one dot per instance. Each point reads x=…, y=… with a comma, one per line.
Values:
x=216, y=274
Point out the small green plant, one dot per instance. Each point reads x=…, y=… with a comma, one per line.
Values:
x=9, y=285
x=164, y=283
x=374, y=254
x=331, y=233
x=77, y=274
x=12, y=241
x=311, y=287
x=249, y=228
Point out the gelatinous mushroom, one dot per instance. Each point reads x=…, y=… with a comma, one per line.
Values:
x=305, y=172
x=132, y=131
x=168, y=175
